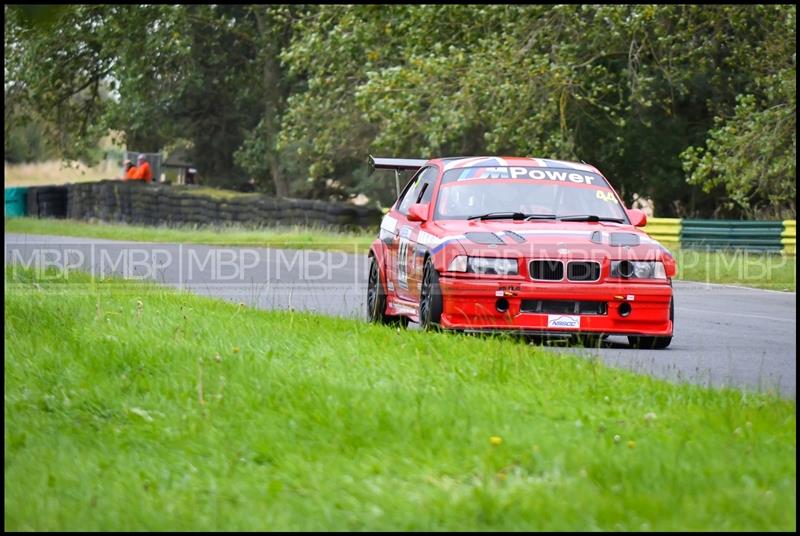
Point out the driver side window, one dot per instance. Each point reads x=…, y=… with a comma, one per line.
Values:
x=421, y=184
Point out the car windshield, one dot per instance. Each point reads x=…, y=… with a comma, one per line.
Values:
x=473, y=192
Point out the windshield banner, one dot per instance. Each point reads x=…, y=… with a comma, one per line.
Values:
x=569, y=176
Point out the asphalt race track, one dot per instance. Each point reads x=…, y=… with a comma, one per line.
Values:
x=724, y=336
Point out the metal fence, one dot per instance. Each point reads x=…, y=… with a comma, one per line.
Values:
x=765, y=236
x=732, y=234
x=665, y=230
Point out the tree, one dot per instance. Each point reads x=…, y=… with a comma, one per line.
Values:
x=55, y=67
x=260, y=154
x=296, y=97
x=627, y=88
x=152, y=72
x=749, y=156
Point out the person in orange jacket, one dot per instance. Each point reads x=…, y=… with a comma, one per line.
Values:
x=143, y=172
x=130, y=170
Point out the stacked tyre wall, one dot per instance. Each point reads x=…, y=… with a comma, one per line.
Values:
x=148, y=204
x=47, y=201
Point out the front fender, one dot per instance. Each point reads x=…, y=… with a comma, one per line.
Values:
x=442, y=256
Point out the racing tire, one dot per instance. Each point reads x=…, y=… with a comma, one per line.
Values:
x=376, y=300
x=430, y=298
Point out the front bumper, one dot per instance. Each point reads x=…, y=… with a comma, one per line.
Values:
x=471, y=304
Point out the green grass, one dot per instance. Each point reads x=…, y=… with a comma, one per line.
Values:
x=776, y=272
x=768, y=271
x=133, y=407
x=295, y=237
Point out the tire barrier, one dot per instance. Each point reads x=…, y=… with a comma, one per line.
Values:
x=16, y=202
x=159, y=204
x=47, y=201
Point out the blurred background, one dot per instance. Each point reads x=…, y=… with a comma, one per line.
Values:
x=690, y=111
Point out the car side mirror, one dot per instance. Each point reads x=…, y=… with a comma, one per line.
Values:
x=637, y=217
x=418, y=212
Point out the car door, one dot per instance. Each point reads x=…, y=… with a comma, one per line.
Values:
x=393, y=244
x=409, y=251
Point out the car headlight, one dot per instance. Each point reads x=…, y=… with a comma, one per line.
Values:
x=484, y=265
x=458, y=264
x=638, y=269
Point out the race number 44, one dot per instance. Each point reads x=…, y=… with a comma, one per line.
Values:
x=402, y=263
x=608, y=197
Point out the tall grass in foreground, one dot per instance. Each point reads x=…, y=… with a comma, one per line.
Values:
x=132, y=407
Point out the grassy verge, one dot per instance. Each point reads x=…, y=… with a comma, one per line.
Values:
x=132, y=407
x=283, y=237
x=776, y=272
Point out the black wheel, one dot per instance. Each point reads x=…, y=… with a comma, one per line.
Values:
x=430, y=298
x=376, y=300
x=654, y=343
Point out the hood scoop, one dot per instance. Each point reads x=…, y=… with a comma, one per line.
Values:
x=515, y=237
x=623, y=239
x=485, y=239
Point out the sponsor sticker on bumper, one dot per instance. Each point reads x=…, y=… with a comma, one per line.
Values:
x=564, y=321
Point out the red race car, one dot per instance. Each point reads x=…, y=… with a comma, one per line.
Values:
x=524, y=245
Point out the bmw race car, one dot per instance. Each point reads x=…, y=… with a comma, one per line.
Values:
x=525, y=245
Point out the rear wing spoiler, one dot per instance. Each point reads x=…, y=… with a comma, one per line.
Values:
x=394, y=163
x=397, y=164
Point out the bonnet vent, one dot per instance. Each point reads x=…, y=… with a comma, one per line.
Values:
x=624, y=239
x=485, y=239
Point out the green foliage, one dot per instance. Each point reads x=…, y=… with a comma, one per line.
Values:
x=751, y=154
x=29, y=141
x=55, y=63
x=295, y=97
x=625, y=87
x=155, y=73
x=132, y=407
